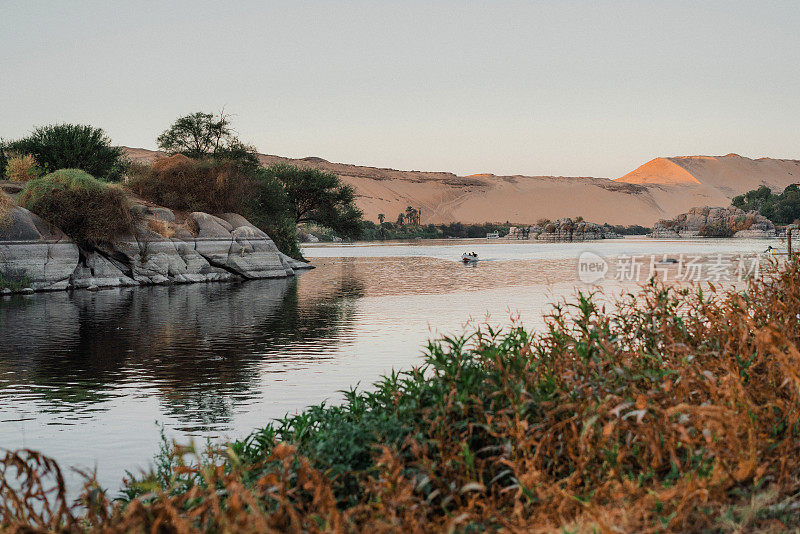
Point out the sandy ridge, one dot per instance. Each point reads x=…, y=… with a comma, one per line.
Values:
x=661, y=188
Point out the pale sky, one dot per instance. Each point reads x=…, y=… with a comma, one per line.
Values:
x=553, y=88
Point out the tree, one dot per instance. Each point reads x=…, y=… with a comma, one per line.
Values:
x=73, y=146
x=205, y=135
x=268, y=208
x=381, y=218
x=783, y=208
x=320, y=197
x=412, y=216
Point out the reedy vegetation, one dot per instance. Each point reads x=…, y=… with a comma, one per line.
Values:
x=673, y=409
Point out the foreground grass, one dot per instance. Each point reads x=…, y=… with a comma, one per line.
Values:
x=675, y=409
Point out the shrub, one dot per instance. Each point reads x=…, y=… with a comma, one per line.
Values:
x=716, y=229
x=23, y=168
x=6, y=205
x=86, y=209
x=14, y=282
x=186, y=184
x=73, y=146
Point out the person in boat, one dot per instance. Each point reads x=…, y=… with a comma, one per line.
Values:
x=770, y=250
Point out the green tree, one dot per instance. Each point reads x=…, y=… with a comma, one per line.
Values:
x=73, y=146
x=320, y=197
x=753, y=200
x=202, y=135
x=268, y=208
x=381, y=218
x=783, y=208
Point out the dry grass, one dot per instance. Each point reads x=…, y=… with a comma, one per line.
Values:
x=6, y=205
x=162, y=228
x=182, y=183
x=23, y=168
x=675, y=410
x=86, y=209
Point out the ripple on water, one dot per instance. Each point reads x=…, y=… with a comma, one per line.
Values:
x=84, y=376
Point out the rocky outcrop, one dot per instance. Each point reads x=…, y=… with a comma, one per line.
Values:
x=715, y=222
x=167, y=248
x=564, y=230
x=36, y=252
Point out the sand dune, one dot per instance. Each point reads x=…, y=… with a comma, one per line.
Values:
x=661, y=188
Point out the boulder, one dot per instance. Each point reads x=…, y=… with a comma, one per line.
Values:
x=209, y=226
x=96, y=270
x=566, y=229
x=34, y=249
x=225, y=248
x=162, y=261
x=715, y=222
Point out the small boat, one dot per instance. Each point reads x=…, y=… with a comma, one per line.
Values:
x=469, y=257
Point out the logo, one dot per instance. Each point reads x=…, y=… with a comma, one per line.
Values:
x=591, y=268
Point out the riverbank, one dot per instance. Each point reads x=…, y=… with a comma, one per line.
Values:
x=629, y=417
x=167, y=247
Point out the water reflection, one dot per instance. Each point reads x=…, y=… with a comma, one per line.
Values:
x=83, y=376
x=199, y=348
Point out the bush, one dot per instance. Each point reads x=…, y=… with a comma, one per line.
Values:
x=719, y=229
x=14, y=282
x=86, y=209
x=6, y=205
x=186, y=184
x=73, y=146
x=23, y=169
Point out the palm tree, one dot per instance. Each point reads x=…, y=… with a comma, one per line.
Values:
x=412, y=216
x=381, y=218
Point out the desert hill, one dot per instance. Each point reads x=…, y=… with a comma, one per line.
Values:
x=661, y=188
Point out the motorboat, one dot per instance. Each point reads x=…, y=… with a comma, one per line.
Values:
x=469, y=257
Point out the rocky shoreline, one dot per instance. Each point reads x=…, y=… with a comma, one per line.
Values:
x=715, y=222
x=564, y=229
x=168, y=248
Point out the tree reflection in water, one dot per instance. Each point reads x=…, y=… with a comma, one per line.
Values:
x=200, y=347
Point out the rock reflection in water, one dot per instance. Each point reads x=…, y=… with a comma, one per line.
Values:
x=199, y=348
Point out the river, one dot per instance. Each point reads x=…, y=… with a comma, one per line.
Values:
x=90, y=378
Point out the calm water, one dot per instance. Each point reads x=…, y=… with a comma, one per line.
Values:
x=85, y=376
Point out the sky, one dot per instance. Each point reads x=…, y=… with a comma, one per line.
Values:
x=565, y=88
